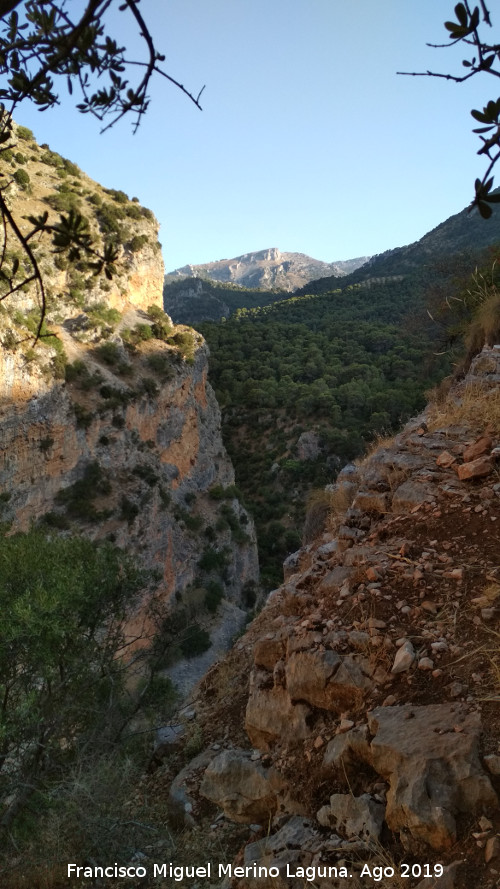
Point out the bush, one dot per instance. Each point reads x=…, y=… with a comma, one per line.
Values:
x=62, y=602
x=129, y=510
x=212, y=560
x=110, y=353
x=20, y=158
x=108, y=216
x=146, y=473
x=161, y=364
x=143, y=332
x=71, y=168
x=51, y=158
x=25, y=134
x=195, y=641
x=119, y=196
x=162, y=330
x=149, y=386
x=64, y=202
x=133, y=211
x=213, y=596
x=137, y=243
x=101, y=313
x=83, y=416
x=78, y=498
x=22, y=178
x=77, y=372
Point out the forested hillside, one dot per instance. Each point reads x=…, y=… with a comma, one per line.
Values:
x=199, y=299
x=305, y=383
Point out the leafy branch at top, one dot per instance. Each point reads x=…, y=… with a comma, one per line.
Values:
x=47, y=46
x=44, y=43
x=484, y=58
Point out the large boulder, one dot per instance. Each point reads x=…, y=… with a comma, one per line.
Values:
x=271, y=715
x=244, y=789
x=327, y=680
x=353, y=816
x=430, y=757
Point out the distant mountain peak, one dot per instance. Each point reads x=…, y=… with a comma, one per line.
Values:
x=269, y=269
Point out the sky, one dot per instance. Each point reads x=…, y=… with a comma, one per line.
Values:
x=308, y=141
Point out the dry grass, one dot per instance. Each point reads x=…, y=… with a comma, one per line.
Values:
x=378, y=443
x=475, y=406
x=319, y=507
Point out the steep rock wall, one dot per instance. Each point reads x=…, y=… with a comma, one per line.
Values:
x=128, y=445
x=175, y=434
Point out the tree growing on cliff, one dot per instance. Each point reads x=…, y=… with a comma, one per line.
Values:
x=469, y=29
x=48, y=46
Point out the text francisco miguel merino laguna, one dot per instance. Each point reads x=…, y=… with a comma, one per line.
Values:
x=180, y=872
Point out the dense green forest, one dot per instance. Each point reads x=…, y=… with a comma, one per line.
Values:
x=212, y=300
x=346, y=365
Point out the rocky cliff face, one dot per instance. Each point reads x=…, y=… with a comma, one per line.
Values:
x=358, y=726
x=154, y=449
x=269, y=269
x=110, y=428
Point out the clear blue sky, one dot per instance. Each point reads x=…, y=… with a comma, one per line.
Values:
x=308, y=141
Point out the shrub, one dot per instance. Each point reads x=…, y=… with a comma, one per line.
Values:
x=213, y=596
x=77, y=372
x=143, y=332
x=25, y=134
x=71, y=168
x=128, y=510
x=110, y=353
x=165, y=498
x=137, y=243
x=83, y=416
x=51, y=158
x=212, y=560
x=22, y=178
x=133, y=211
x=55, y=520
x=149, y=386
x=195, y=641
x=101, y=313
x=78, y=498
x=146, y=473
x=19, y=157
x=108, y=216
x=162, y=329
x=157, y=313
x=64, y=202
x=161, y=364
x=62, y=602
x=119, y=196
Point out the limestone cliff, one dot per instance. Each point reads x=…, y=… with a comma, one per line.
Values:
x=109, y=426
x=358, y=723
x=269, y=268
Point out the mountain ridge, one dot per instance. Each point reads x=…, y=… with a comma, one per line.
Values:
x=268, y=268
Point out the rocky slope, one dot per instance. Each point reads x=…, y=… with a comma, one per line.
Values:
x=355, y=725
x=109, y=427
x=268, y=269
